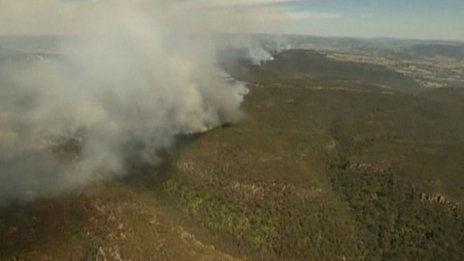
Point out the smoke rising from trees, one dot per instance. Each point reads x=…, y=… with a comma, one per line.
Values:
x=127, y=77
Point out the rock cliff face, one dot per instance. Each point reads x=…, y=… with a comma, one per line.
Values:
x=426, y=197
x=438, y=198
x=370, y=167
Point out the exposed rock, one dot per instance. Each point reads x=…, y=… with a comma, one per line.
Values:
x=438, y=198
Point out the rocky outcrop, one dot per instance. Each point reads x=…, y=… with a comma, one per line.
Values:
x=437, y=198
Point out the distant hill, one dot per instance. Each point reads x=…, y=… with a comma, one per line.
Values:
x=453, y=51
x=315, y=65
x=29, y=42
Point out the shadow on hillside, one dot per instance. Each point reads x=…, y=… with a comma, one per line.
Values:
x=47, y=223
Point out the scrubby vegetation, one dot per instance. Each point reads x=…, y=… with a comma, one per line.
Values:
x=334, y=161
x=399, y=219
x=349, y=170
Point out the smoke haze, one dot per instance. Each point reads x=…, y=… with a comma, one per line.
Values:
x=128, y=77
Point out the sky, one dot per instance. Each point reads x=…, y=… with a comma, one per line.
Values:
x=423, y=19
x=416, y=19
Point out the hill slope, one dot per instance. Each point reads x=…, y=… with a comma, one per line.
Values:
x=321, y=168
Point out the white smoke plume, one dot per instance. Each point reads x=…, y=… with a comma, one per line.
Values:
x=258, y=54
x=128, y=77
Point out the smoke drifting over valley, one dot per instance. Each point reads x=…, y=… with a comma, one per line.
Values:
x=127, y=78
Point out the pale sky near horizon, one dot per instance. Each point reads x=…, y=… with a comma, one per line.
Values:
x=414, y=19
x=424, y=19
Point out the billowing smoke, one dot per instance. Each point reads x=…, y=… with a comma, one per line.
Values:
x=258, y=54
x=255, y=49
x=127, y=78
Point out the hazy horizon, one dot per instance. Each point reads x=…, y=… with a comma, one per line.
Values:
x=421, y=20
x=367, y=38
